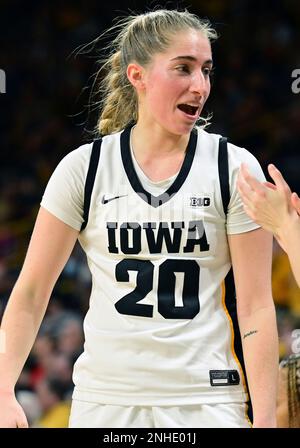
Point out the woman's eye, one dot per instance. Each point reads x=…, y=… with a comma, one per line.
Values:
x=183, y=68
x=207, y=71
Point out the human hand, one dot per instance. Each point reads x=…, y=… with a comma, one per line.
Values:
x=270, y=205
x=11, y=413
x=263, y=201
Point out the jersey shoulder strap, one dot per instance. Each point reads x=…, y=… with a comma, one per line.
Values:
x=90, y=179
x=224, y=173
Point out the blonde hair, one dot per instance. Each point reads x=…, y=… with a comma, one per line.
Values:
x=138, y=39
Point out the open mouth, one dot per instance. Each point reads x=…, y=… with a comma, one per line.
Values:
x=188, y=109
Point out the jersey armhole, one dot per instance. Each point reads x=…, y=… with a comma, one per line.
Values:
x=224, y=173
x=90, y=179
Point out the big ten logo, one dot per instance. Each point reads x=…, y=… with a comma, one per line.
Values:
x=295, y=340
x=2, y=81
x=296, y=83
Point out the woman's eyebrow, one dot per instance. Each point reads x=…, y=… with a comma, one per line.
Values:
x=191, y=58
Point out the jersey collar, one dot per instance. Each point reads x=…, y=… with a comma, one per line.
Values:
x=156, y=201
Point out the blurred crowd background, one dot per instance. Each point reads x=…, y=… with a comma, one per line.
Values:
x=44, y=116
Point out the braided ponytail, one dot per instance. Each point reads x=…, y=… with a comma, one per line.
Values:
x=120, y=99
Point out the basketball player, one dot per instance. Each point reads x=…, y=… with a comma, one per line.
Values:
x=276, y=209
x=155, y=208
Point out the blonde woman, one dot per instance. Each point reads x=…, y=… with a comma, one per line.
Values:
x=155, y=207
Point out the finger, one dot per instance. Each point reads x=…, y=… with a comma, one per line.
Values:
x=277, y=177
x=22, y=425
x=296, y=202
x=243, y=172
x=243, y=189
x=252, y=182
x=249, y=212
x=22, y=422
x=270, y=185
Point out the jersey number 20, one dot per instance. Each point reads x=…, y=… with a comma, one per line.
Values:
x=165, y=289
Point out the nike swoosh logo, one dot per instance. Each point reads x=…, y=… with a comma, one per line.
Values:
x=105, y=201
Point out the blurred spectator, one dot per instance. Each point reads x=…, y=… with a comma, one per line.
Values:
x=70, y=337
x=55, y=407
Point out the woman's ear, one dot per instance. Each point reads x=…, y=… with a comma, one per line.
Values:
x=135, y=74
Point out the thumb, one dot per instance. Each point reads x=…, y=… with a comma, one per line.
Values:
x=22, y=421
x=22, y=424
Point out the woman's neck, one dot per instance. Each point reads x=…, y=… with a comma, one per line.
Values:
x=159, y=155
x=149, y=142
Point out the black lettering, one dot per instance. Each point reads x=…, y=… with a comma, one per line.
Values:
x=144, y=283
x=163, y=234
x=111, y=231
x=199, y=202
x=167, y=287
x=166, y=290
x=135, y=230
x=196, y=236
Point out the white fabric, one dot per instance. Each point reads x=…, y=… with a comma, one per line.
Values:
x=95, y=415
x=154, y=360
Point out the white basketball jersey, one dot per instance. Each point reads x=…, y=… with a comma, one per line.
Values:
x=161, y=327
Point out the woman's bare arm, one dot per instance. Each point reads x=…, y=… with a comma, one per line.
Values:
x=51, y=244
x=251, y=254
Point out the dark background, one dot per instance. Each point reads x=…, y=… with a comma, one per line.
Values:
x=44, y=115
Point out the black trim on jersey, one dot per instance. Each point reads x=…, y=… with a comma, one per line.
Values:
x=156, y=201
x=230, y=304
x=224, y=173
x=89, y=182
x=230, y=294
